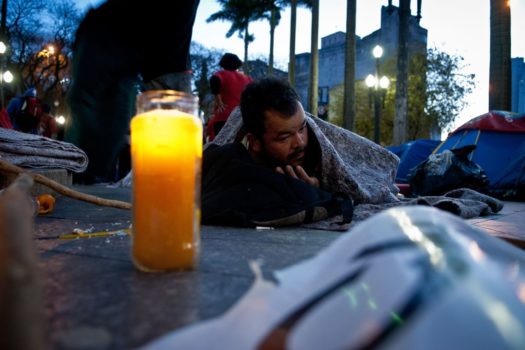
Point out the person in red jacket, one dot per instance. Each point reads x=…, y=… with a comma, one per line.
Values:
x=227, y=86
x=5, y=121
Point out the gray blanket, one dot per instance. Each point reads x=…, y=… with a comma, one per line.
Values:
x=366, y=171
x=33, y=151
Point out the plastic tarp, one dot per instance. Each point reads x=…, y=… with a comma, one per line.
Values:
x=410, y=155
x=500, y=148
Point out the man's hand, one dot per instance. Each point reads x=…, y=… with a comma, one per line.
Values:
x=298, y=173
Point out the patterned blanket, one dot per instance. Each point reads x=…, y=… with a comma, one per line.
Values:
x=366, y=171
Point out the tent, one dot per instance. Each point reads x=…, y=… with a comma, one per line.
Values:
x=500, y=149
x=411, y=154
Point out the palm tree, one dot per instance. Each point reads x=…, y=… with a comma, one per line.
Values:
x=293, y=25
x=240, y=13
x=314, y=60
x=500, y=61
x=349, y=83
x=272, y=9
x=400, y=118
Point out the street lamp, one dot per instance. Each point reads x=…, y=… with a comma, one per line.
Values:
x=377, y=89
x=5, y=75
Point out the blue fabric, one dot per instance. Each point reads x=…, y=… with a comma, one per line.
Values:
x=15, y=105
x=410, y=155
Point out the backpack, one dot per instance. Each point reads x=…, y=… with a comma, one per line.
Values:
x=446, y=171
x=28, y=118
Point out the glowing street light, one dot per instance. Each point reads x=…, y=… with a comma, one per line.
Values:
x=60, y=120
x=377, y=51
x=377, y=89
x=371, y=81
x=384, y=82
x=7, y=76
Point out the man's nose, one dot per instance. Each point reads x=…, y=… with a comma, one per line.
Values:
x=299, y=140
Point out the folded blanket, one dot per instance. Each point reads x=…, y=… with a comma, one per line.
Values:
x=38, y=152
x=365, y=171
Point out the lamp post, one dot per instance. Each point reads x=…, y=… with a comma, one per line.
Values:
x=5, y=75
x=377, y=89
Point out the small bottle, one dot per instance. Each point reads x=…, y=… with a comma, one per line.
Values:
x=166, y=151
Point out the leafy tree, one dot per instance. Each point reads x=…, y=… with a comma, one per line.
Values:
x=25, y=28
x=240, y=13
x=447, y=87
x=41, y=34
x=273, y=10
x=437, y=89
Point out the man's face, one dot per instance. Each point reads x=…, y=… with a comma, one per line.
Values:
x=284, y=140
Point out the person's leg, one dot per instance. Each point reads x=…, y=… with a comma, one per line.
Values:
x=102, y=97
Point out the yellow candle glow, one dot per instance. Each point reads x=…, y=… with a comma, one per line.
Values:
x=166, y=148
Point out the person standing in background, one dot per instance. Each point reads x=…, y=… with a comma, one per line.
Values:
x=227, y=86
x=111, y=58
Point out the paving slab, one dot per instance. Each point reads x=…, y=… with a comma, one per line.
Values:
x=96, y=299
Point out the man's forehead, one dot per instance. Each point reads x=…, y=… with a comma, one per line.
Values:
x=275, y=121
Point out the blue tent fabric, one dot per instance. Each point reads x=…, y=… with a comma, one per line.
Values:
x=410, y=155
x=501, y=154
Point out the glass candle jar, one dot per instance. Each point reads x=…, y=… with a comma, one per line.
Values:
x=166, y=151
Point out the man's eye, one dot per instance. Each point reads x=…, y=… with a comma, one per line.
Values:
x=282, y=139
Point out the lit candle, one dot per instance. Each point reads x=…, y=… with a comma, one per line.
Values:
x=166, y=148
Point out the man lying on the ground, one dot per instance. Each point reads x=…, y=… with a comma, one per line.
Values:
x=276, y=165
x=271, y=176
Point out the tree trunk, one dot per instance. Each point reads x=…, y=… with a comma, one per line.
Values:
x=349, y=91
x=500, y=60
x=3, y=23
x=400, y=118
x=314, y=60
x=293, y=25
x=246, y=43
x=272, y=37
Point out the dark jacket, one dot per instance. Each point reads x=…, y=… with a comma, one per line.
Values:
x=238, y=192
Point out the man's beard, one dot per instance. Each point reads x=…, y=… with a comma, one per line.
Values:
x=293, y=156
x=274, y=162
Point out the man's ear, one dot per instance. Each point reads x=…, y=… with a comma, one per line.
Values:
x=254, y=145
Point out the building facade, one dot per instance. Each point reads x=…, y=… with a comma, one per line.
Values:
x=332, y=54
x=518, y=85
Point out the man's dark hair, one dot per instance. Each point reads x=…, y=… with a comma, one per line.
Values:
x=267, y=94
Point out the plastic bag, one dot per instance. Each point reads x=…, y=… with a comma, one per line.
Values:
x=446, y=171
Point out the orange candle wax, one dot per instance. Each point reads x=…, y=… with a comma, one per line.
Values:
x=166, y=148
